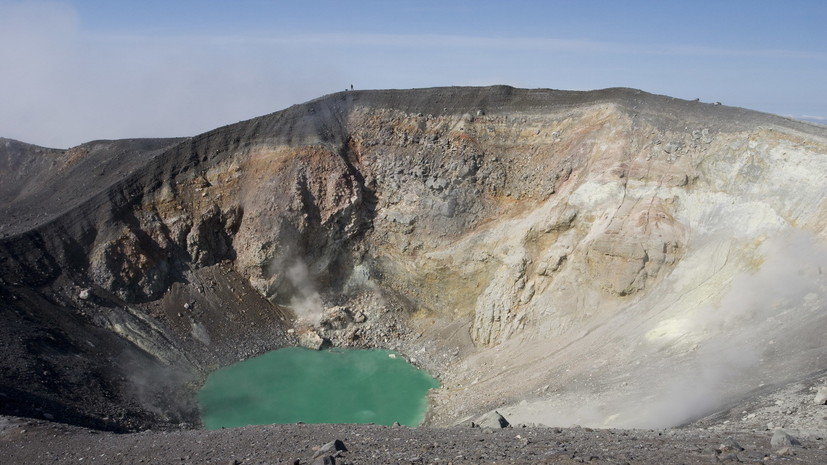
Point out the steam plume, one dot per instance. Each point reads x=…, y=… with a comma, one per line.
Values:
x=764, y=313
x=307, y=302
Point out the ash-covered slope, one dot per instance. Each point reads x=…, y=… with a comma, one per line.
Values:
x=567, y=257
x=39, y=184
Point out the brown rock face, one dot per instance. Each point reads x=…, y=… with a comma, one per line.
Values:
x=583, y=243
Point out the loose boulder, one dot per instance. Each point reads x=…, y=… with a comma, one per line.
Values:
x=493, y=419
x=336, y=318
x=331, y=447
x=730, y=445
x=781, y=439
x=311, y=340
x=821, y=396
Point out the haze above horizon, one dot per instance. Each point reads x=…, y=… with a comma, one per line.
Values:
x=81, y=70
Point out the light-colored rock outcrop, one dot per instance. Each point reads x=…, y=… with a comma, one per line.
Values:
x=614, y=251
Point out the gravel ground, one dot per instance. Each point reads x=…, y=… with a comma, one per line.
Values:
x=26, y=441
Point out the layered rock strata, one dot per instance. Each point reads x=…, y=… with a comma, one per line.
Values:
x=536, y=249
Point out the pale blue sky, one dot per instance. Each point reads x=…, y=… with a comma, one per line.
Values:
x=74, y=71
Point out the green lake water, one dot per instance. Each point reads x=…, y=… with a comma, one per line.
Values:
x=329, y=386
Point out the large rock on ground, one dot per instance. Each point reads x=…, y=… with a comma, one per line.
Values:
x=821, y=396
x=493, y=419
x=781, y=439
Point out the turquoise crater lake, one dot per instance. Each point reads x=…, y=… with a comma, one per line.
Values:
x=329, y=386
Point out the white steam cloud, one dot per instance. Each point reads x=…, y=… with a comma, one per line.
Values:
x=766, y=328
x=751, y=336
x=307, y=302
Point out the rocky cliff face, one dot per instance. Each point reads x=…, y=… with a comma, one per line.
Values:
x=566, y=257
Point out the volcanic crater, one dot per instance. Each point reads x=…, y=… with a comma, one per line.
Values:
x=610, y=258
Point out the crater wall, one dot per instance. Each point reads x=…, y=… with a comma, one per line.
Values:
x=535, y=249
